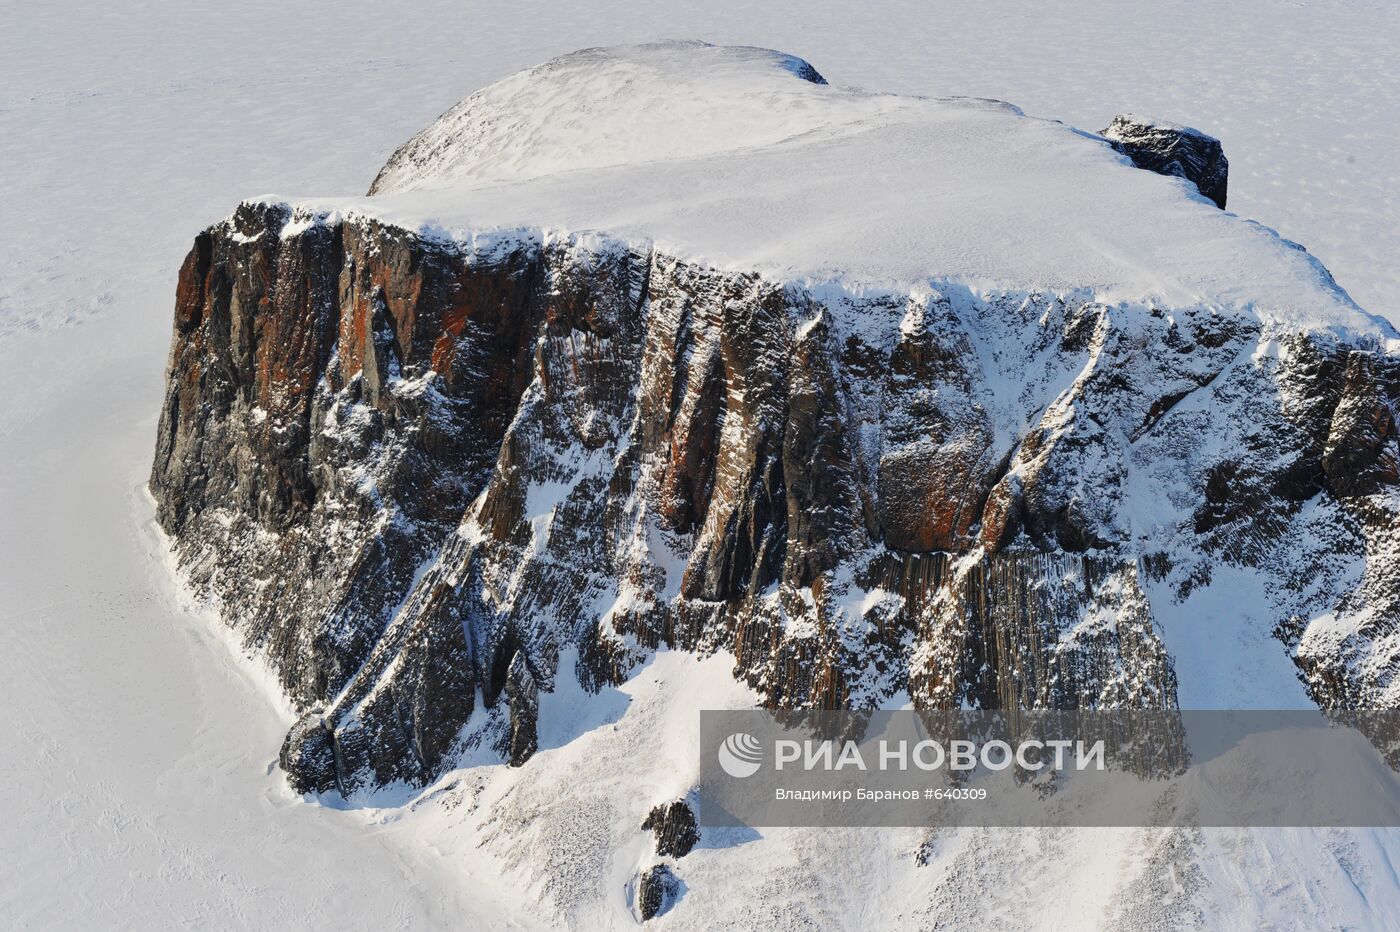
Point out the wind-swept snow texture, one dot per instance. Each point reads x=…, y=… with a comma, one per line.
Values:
x=727, y=156
x=130, y=742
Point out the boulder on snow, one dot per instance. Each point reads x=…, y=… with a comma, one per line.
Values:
x=658, y=891
x=675, y=827
x=1170, y=149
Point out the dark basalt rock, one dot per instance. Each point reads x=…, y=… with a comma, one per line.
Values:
x=1168, y=149
x=675, y=828
x=657, y=891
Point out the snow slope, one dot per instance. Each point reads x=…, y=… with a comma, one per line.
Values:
x=135, y=753
x=727, y=155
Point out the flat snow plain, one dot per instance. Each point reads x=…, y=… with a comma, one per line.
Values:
x=137, y=753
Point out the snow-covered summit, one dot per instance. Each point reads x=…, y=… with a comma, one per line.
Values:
x=611, y=106
x=744, y=158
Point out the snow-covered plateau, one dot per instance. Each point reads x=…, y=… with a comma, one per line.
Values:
x=651, y=379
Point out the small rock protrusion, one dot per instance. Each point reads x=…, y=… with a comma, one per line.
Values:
x=308, y=755
x=522, y=696
x=658, y=891
x=675, y=827
x=1169, y=149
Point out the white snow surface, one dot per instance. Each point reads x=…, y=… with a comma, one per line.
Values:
x=137, y=753
x=727, y=156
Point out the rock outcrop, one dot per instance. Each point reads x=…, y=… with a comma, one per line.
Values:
x=675, y=827
x=308, y=756
x=413, y=472
x=428, y=471
x=522, y=699
x=1170, y=149
x=657, y=891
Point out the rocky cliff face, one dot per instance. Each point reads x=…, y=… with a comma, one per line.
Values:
x=421, y=472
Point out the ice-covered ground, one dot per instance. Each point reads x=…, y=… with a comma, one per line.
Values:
x=136, y=754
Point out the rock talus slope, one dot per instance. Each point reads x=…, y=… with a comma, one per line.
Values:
x=421, y=451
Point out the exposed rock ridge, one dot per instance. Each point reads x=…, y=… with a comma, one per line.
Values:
x=1170, y=149
x=417, y=472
